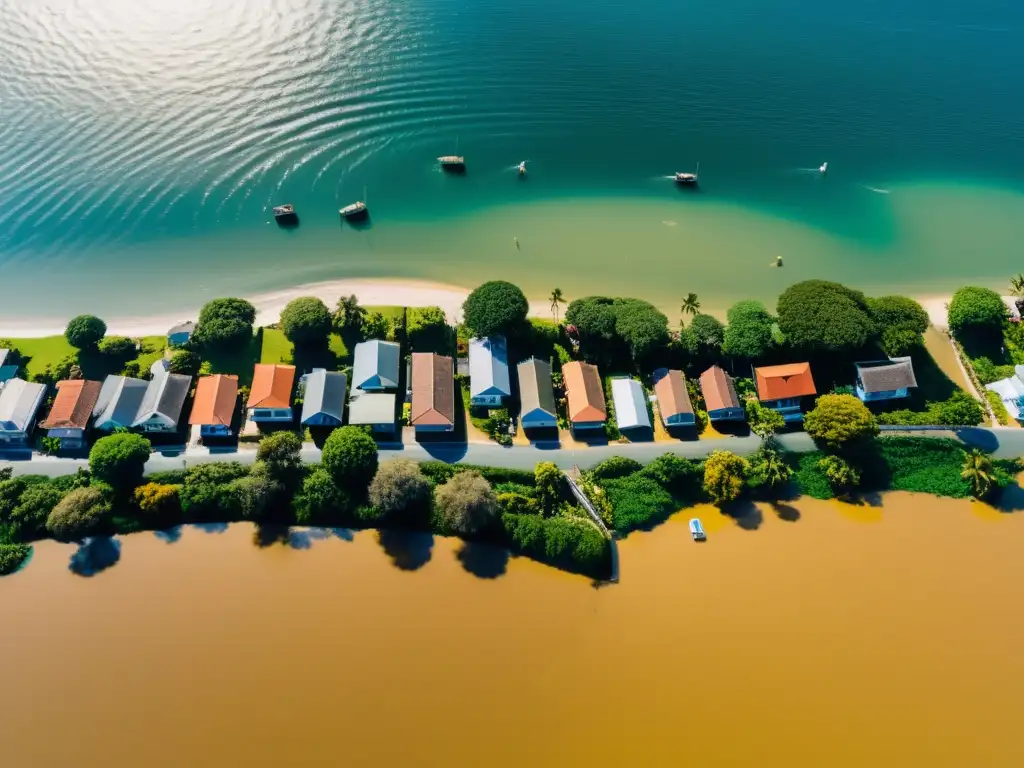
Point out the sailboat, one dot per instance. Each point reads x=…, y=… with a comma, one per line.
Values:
x=454, y=162
x=823, y=168
x=356, y=210
x=688, y=178
x=522, y=168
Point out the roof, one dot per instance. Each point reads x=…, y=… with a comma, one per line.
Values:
x=897, y=373
x=4, y=354
x=371, y=407
x=19, y=401
x=215, y=400
x=375, y=364
x=433, y=390
x=325, y=393
x=535, y=390
x=119, y=400
x=488, y=367
x=718, y=390
x=165, y=396
x=73, y=406
x=583, y=391
x=271, y=386
x=673, y=399
x=630, y=404
x=777, y=382
x=187, y=327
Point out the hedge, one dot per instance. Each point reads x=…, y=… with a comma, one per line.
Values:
x=574, y=544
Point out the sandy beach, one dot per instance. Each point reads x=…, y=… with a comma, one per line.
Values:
x=409, y=293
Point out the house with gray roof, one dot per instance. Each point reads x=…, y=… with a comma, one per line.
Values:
x=160, y=409
x=323, y=404
x=536, y=395
x=375, y=365
x=20, y=401
x=630, y=404
x=373, y=409
x=119, y=402
x=488, y=371
x=883, y=380
x=8, y=368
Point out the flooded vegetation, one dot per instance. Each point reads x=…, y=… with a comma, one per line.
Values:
x=801, y=633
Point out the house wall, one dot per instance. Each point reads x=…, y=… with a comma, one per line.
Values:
x=588, y=425
x=727, y=414
x=789, y=407
x=270, y=414
x=891, y=394
x=322, y=420
x=537, y=420
x=492, y=400
x=681, y=420
x=69, y=438
x=157, y=424
x=214, y=430
x=178, y=338
x=13, y=438
x=434, y=427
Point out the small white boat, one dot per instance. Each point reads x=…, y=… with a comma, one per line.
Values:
x=688, y=178
x=284, y=212
x=823, y=168
x=697, y=530
x=356, y=210
x=522, y=168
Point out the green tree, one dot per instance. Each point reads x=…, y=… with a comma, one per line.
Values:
x=120, y=459
x=12, y=556
x=27, y=520
x=959, y=410
x=840, y=420
x=350, y=456
x=466, y=504
x=376, y=326
x=1017, y=285
x=764, y=422
x=557, y=298
x=118, y=347
x=85, y=331
x=225, y=323
x=977, y=314
x=280, y=454
x=821, y=316
x=842, y=476
x=898, y=312
x=704, y=334
x=496, y=307
x=185, y=362
x=259, y=493
x=428, y=329
x=979, y=472
x=306, y=321
x=641, y=326
x=768, y=467
x=320, y=500
x=690, y=305
x=725, y=474
x=594, y=319
x=400, y=491
x=749, y=331
x=79, y=514
x=900, y=341
x=348, y=315
x=205, y=494
x=159, y=504
x=549, y=482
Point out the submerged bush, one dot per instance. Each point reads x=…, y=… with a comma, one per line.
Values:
x=12, y=556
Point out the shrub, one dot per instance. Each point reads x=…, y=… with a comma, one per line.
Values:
x=842, y=476
x=921, y=464
x=725, y=474
x=976, y=312
x=899, y=312
x=376, y=326
x=320, y=499
x=117, y=346
x=749, y=332
x=428, y=329
x=185, y=362
x=399, y=489
x=159, y=505
x=616, y=466
x=764, y=422
x=119, y=459
x=637, y=502
x=27, y=520
x=224, y=323
x=998, y=408
x=258, y=493
x=12, y=557
x=573, y=543
x=840, y=420
x=466, y=504
x=50, y=446
x=680, y=477
x=987, y=371
x=825, y=316
x=79, y=514
x=206, y=495
x=495, y=307
x=810, y=480
x=899, y=342
x=350, y=455
x=550, y=483
x=85, y=331
x=517, y=503
x=959, y=410
x=280, y=454
x=768, y=468
x=306, y=320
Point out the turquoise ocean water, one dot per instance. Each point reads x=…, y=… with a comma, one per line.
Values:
x=142, y=143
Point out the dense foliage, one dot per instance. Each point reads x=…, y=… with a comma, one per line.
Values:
x=428, y=330
x=594, y=319
x=705, y=334
x=821, y=316
x=610, y=327
x=399, y=490
x=306, y=320
x=85, y=331
x=350, y=456
x=80, y=513
x=185, y=362
x=976, y=314
x=224, y=323
x=749, y=331
x=496, y=307
x=12, y=556
x=725, y=476
x=959, y=410
x=120, y=459
x=466, y=504
x=840, y=420
x=569, y=542
x=641, y=326
x=118, y=347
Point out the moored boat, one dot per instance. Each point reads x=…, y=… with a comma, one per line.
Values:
x=356, y=210
x=697, y=530
x=522, y=168
x=452, y=162
x=823, y=168
x=285, y=214
x=688, y=178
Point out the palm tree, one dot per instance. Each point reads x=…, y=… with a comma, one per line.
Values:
x=979, y=472
x=1017, y=284
x=556, y=298
x=349, y=314
x=691, y=305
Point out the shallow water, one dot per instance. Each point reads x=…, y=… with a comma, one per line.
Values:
x=810, y=633
x=142, y=145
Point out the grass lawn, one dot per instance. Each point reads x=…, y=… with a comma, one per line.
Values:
x=50, y=350
x=275, y=348
x=388, y=310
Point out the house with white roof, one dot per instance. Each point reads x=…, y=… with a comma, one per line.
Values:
x=20, y=401
x=375, y=365
x=488, y=371
x=630, y=404
x=1011, y=392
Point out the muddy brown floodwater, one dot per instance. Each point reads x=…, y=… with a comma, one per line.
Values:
x=814, y=634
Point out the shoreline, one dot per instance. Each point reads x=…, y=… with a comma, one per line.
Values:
x=370, y=291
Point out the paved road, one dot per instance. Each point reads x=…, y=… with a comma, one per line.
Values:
x=1003, y=442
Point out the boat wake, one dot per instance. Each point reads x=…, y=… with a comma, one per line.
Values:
x=876, y=190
